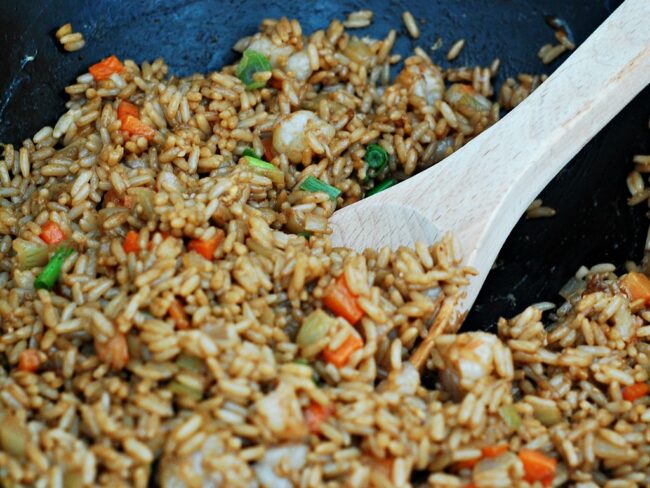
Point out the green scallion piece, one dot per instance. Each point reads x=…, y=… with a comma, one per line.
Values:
x=306, y=235
x=249, y=152
x=50, y=274
x=312, y=184
x=376, y=157
x=380, y=187
x=265, y=169
x=252, y=62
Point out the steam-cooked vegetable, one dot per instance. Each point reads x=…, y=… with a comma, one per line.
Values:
x=312, y=184
x=266, y=169
x=314, y=328
x=252, y=62
x=29, y=254
x=50, y=274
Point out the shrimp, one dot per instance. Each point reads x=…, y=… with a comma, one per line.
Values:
x=293, y=456
x=465, y=99
x=290, y=133
x=199, y=468
x=280, y=56
x=469, y=358
x=281, y=412
x=423, y=81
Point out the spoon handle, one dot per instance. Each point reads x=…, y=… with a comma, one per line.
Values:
x=480, y=192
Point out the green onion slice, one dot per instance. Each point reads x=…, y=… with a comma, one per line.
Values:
x=265, y=169
x=376, y=157
x=249, y=152
x=50, y=274
x=381, y=187
x=252, y=62
x=313, y=185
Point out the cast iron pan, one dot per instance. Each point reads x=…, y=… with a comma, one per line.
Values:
x=593, y=222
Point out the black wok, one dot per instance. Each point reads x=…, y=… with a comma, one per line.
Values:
x=593, y=222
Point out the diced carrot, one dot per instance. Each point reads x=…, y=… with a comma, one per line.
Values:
x=131, y=242
x=127, y=108
x=637, y=286
x=114, y=352
x=538, y=466
x=340, y=300
x=135, y=127
x=471, y=484
x=105, y=68
x=316, y=414
x=635, y=391
x=51, y=233
x=339, y=357
x=206, y=247
x=28, y=360
x=177, y=312
x=268, y=148
x=494, y=451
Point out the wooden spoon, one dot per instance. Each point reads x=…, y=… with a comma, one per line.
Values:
x=480, y=191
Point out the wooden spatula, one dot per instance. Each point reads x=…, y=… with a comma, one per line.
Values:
x=480, y=191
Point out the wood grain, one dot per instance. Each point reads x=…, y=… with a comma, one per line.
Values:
x=479, y=192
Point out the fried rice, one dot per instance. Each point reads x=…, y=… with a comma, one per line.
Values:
x=204, y=332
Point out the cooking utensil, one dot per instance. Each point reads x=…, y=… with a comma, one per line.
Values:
x=480, y=191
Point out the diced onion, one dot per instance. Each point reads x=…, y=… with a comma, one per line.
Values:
x=510, y=416
x=30, y=254
x=314, y=328
x=13, y=437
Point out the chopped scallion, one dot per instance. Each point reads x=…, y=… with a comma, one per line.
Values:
x=265, y=169
x=313, y=185
x=380, y=187
x=249, y=152
x=50, y=274
x=252, y=62
x=376, y=157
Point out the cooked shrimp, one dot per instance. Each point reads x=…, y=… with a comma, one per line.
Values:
x=281, y=56
x=291, y=132
x=280, y=411
x=469, y=358
x=292, y=455
x=423, y=81
x=465, y=99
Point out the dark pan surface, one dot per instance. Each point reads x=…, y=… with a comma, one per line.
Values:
x=593, y=223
